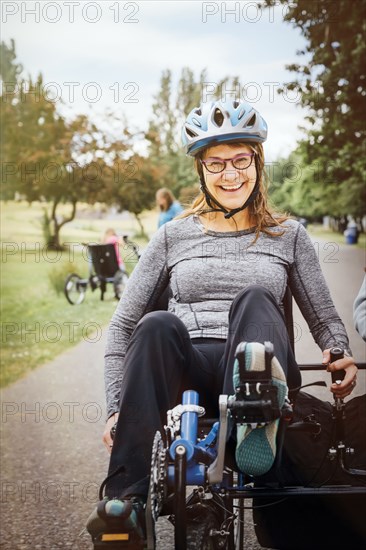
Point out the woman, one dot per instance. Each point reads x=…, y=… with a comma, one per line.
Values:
x=227, y=261
x=168, y=205
x=111, y=237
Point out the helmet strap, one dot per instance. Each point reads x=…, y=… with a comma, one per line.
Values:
x=227, y=213
x=249, y=201
x=211, y=201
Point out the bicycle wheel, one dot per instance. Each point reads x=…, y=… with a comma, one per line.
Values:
x=203, y=533
x=75, y=289
x=238, y=525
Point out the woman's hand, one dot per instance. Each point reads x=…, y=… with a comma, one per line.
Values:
x=107, y=440
x=348, y=365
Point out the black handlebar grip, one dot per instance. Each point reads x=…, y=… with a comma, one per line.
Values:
x=335, y=354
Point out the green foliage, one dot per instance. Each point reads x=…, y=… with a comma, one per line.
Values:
x=171, y=166
x=298, y=188
x=45, y=225
x=331, y=84
x=131, y=185
x=9, y=73
x=9, y=68
x=57, y=275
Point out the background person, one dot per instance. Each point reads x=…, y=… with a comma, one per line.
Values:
x=111, y=237
x=169, y=206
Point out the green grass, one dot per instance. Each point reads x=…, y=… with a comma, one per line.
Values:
x=37, y=322
x=317, y=230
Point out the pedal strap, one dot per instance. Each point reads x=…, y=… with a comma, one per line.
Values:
x=268, y=356
x=259, y=375
x=101, y=509
x=240, y=356
x=102, y=513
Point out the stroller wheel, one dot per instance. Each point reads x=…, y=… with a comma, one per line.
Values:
x=119, y=283
x=75, y=289
x=206, y=528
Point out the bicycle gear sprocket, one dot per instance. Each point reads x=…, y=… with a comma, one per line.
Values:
x=158, y=477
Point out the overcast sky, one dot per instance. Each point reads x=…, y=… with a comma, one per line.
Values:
x=99, y=55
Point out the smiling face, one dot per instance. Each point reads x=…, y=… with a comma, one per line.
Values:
x=232, y=186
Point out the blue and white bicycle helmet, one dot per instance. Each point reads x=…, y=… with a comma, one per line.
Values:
x=222, y=122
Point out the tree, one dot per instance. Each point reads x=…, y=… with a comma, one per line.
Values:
x=133, y=186
x=46, y=158
x=10, y=71
x=94, y=159
x=37, y=156
x=292, y=187
x=331, y=84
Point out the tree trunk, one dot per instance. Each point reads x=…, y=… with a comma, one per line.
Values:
x=142, y=229
x=358, y=220
x=54, y=240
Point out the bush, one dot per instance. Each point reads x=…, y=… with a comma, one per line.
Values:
x=57, y=275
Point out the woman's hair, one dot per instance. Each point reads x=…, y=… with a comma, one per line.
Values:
x=166, y=194
x=259, y=210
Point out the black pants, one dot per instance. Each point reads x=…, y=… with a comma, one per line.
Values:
x=162, y=361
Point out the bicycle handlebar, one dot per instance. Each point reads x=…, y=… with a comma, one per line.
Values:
x=338, y=375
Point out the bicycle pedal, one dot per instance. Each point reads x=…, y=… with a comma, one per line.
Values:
x=263, y=376
x=115, y=541
x=119, y=541
x=256, y=393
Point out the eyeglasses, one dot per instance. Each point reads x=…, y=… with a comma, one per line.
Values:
x=239, y=162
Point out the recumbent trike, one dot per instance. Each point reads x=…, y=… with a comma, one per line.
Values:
x=319, y=504
x=103, y=270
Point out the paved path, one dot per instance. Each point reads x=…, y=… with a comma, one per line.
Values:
x=52, y=458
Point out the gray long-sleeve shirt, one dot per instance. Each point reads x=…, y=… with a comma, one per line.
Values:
x=205, y=270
